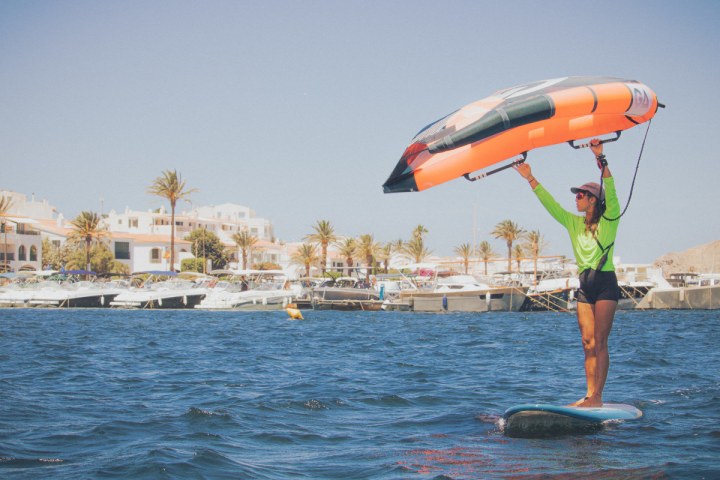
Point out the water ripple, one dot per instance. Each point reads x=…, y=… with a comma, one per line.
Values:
x=153, y=394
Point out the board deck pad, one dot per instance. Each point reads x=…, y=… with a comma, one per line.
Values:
x=544, y=420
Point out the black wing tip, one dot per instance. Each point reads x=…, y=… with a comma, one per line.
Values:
x=403, y=183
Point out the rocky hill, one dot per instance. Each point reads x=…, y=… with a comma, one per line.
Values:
x=700, y=259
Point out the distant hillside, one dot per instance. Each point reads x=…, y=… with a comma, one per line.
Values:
x=700, y=259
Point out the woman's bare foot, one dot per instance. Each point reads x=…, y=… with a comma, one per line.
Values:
x=590, y=402
x=579, y=402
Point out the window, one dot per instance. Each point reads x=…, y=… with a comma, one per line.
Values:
x=56, y=243
x=133, y=222
x=122, y=250
x=21, y=253
x=155, y=255
x=33, y=253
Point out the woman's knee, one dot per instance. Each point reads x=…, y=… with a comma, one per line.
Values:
x=601, y=343
x=589, y=343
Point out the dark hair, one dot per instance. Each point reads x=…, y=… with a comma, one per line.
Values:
x=598, y=212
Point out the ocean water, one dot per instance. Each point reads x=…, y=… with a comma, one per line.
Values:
x=176, y=394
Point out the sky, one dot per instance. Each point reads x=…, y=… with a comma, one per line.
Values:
x=301, y=109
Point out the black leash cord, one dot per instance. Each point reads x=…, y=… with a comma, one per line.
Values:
x=632, y=185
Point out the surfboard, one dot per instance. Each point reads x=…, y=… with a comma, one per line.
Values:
x=544, y=419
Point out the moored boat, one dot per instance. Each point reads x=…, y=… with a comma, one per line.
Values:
x=168, y=290
x=76, y=293
x=251, y=290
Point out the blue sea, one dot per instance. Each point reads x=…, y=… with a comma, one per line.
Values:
x=401, y=395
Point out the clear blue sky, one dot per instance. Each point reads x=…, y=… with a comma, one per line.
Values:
x=300, y=109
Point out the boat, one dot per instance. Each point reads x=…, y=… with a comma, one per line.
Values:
x=73, y=292
x=251, y=290
x=685, y=291
x=167, y=290
x=636, y=281
x=26, y=286
x=453, y=292
x=346, y=293
x=554, y=291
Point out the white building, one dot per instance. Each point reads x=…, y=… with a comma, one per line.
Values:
x=141, y=239
x=20, y=239
x=142, y=253
x=227, y=219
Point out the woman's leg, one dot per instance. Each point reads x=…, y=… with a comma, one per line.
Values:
x=604, y=316
x=586, y=322
x=595, y=323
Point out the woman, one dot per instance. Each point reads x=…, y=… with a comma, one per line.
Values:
x=593, y=237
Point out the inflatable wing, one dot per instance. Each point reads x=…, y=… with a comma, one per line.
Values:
x=518, y=119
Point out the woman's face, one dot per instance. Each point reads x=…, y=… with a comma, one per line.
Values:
x=583, y=201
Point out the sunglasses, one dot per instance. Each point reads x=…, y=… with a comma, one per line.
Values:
x=580, y=195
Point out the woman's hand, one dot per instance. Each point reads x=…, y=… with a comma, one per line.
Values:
x=524, y=170
x=597, y=149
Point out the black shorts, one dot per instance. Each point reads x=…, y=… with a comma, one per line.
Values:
x=596, y=286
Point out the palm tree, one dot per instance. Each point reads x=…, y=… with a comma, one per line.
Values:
x=367, y=249
x=465, y=251
x=245, y=241
x=485, y=252
x=87, y=229
x=171, y=187
x=306, y=255
x=5, y=204
x=510, y=232
x=419, y=231
x=384, y=255
x=324, y=235
x=346, y=248
x=415, y=249
x=519, y=253
x=534, y=245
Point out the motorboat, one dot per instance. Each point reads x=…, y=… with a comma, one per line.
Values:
x=167, y=290
x=76, y=293
x=555, y=291
x=250, y=290
x=450, y=291
x=27, y=286
x=345, y=288
x=346, y=293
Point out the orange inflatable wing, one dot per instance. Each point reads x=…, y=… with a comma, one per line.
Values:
x=515, y=120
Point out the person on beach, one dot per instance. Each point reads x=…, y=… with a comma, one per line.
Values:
x=593, y=238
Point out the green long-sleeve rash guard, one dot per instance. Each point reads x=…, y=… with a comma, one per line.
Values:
x=586, y=249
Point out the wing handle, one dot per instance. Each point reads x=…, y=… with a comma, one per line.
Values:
x=504, y=167
x=586, y=145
